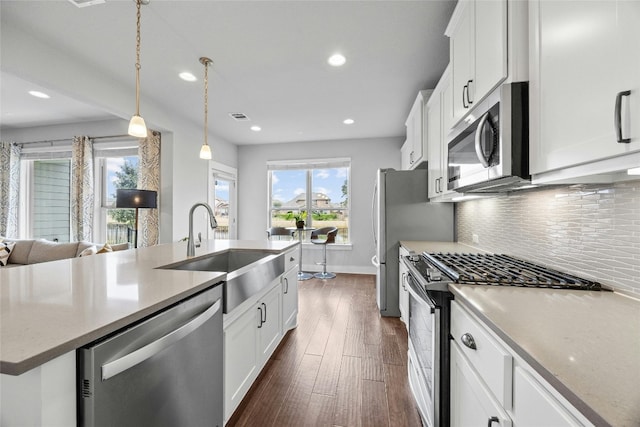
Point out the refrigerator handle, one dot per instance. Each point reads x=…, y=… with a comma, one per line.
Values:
x=373, y=212
x=374, y=261
x=130, y=360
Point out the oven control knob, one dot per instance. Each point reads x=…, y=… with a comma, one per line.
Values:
x=414, y=258
x=434, y=274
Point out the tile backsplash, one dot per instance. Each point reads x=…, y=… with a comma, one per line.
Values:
x=592, y=231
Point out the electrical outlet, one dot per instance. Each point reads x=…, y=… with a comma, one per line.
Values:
x=475, y=238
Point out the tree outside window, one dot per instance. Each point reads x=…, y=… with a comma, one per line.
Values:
x=120, y=173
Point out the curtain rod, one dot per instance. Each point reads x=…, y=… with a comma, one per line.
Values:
x=52, y=141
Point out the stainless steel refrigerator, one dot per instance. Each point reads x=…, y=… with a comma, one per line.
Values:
x=401, y=211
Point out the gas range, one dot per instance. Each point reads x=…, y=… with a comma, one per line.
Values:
x=491, y=269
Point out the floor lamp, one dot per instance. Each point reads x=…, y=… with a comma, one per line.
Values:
x=136, y=199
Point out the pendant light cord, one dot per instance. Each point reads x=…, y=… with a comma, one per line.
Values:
x=206, y=99
x=138, y=59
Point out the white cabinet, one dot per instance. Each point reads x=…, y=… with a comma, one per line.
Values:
x=584, y=57
x=478, y=51
x=534, y=405
x=403, y=292
x=290, y=299
x=471, y=402
x=416, y=131
x=405, y=155
x=438, y=117
x=488, y=379
x=250, y=338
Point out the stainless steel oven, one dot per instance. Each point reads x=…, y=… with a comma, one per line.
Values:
x=428, y=364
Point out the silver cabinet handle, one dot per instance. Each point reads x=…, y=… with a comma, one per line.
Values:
x=467, y=340
x=265, y=312
x=117, y=366
x=260, y=320
x=469, y=101
x=617, y=117
x=492, y=420
x=464, y=98
x=286, y=285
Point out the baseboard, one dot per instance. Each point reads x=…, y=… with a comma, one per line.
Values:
x=349, y=269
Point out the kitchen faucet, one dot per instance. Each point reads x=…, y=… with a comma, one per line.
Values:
x=191, y=248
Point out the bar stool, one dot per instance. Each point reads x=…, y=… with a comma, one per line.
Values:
x=279, y=232
x=330, y=233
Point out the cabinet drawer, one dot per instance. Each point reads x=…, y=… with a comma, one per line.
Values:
x=493, y=363
x=291, y=259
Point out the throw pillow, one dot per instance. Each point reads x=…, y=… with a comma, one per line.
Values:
x=106, y=248
x=5, y=252
x=91, y=250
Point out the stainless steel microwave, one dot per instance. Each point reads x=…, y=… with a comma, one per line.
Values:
x=489, y=150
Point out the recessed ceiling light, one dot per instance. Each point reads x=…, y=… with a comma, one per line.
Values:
x=256, y=128
x=337, y=60
x=187, y=76
x=348, y=121
x=39, y=94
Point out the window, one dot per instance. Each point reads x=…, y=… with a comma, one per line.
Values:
x=222, y=198
x=51, y=206
x=117, y=172
x=316, y=189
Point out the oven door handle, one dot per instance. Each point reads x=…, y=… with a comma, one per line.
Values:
x=419, y=294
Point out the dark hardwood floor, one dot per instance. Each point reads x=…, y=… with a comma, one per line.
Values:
x=344, y=365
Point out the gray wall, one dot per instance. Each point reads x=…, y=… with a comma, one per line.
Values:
x=367, y=155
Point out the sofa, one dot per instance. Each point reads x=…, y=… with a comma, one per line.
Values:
x=16, y=252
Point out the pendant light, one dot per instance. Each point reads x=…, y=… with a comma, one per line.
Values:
x=137, y=127
x=205, y=150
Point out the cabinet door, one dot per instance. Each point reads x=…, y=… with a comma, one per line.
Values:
x=241, y=363
x=534, y=406
x=490, y=47
x=587, y=54
x=290, y=299
x=462, y=54
x=414, y=132
x=405, y=155
x=446, y=111
x=471, y=402
x=434, y=140
x=269, y=323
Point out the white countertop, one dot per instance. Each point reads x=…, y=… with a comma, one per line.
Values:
x=586, y=344
x=51, y=308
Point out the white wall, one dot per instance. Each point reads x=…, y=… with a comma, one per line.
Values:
x=183, y=174
x=367, y=155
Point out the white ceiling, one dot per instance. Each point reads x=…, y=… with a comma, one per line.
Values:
x=269, y=62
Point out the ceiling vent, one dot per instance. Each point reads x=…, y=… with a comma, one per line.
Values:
x=85, y=3
x=239, y=117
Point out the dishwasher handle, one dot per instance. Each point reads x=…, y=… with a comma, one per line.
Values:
x=117, y=366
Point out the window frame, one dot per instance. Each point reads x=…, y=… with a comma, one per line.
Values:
x=310, y=166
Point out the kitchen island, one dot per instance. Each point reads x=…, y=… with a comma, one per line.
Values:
x=584, y=344
x=49, y=310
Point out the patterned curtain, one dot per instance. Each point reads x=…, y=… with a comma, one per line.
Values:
x=9, y=188
x=149, y=179
x=82, y=189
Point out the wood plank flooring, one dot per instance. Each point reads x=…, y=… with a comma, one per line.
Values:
x=344, y=365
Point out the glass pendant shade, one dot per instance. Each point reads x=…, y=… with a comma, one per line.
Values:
x=205, y=152
x=137, y=127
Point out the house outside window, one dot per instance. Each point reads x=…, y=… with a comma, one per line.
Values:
x=316, y=190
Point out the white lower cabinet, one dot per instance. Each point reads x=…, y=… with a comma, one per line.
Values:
x=491, y=385
x=249, y=340
x=290, y=299
x=472, y=404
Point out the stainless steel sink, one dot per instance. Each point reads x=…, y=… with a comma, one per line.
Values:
x=248, y=272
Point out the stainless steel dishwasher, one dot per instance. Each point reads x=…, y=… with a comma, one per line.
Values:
x=163, y=371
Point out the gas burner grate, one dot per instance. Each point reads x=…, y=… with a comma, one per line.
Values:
x=504, y=270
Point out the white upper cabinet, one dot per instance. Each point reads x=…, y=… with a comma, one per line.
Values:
x=585, y=89
x=438, y=114
x=416, y=143
x=478, y=51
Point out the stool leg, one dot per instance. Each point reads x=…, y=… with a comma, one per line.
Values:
x=324, y=274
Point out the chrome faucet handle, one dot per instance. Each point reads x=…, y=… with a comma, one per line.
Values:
x=199, y=239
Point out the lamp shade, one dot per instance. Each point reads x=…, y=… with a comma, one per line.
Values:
x=137, y=127
x=135, y=198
